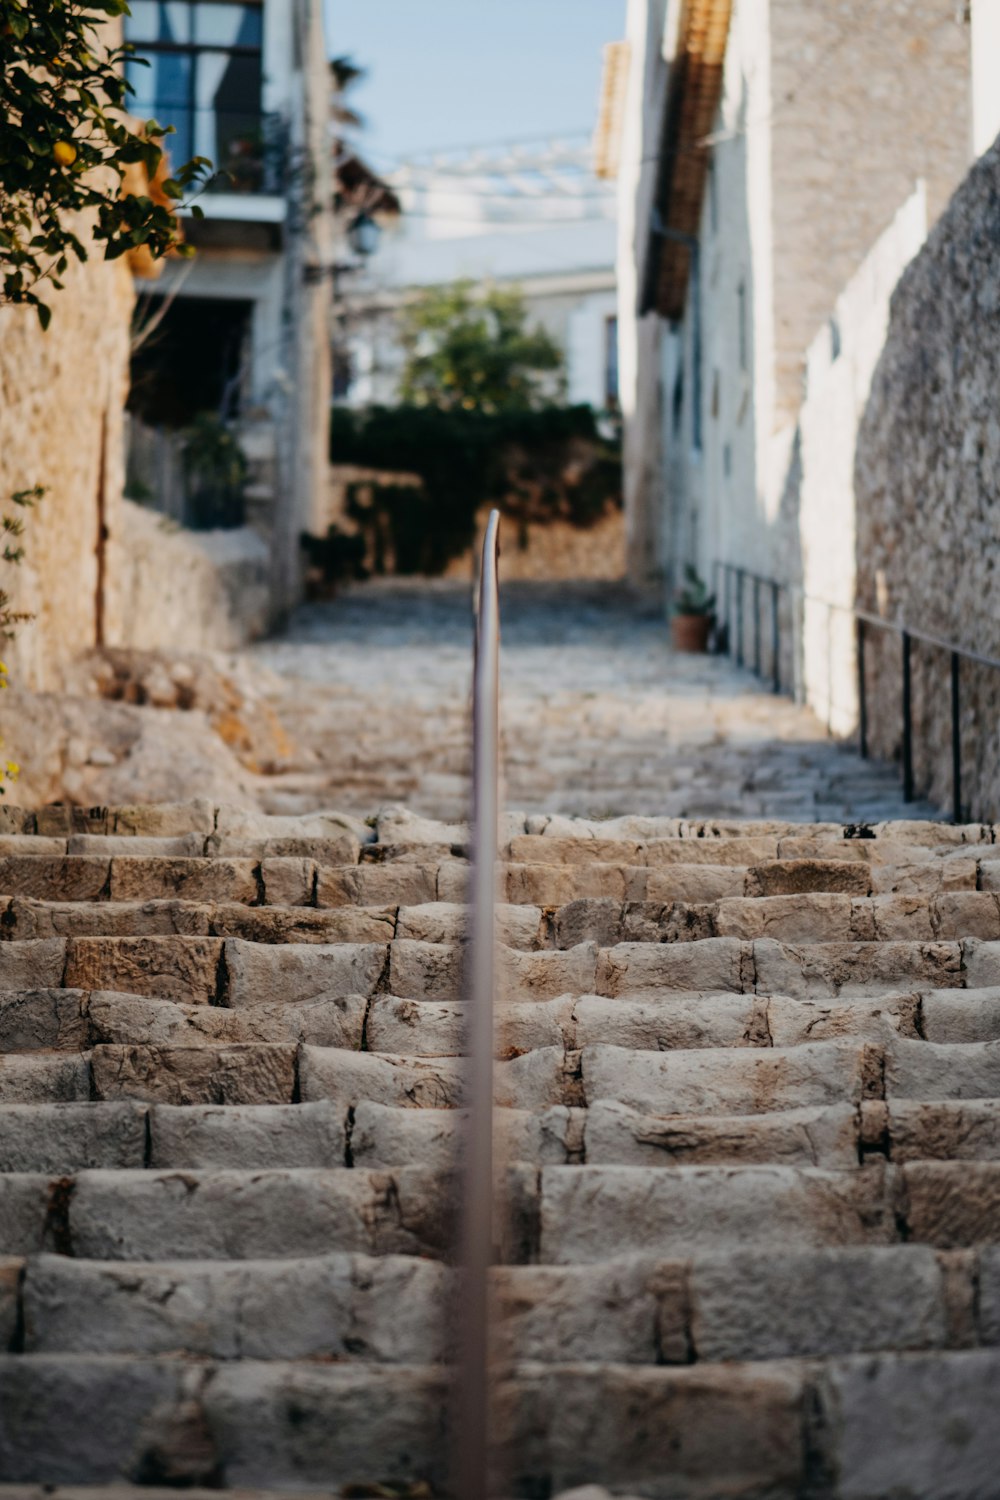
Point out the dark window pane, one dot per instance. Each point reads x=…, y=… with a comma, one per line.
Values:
x=158, y=21
x=222, y=25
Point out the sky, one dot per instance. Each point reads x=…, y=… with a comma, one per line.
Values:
x=445, y=74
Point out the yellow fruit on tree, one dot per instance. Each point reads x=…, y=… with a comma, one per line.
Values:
x=64, y=153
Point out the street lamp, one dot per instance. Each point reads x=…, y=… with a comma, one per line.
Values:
x=363, y=235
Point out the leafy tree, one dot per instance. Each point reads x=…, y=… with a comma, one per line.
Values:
x=472, y=350
x=66, y=144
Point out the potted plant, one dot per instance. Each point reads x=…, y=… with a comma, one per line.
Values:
x=693, y=613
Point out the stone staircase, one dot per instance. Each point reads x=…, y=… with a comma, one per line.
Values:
x=748, y=1082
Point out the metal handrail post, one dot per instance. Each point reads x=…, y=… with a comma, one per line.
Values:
x=471, y=1433
x=775, y=639
x=756, y=625
x=739, y=616
x=907, y=719
x=862, y=694
x=956, y=740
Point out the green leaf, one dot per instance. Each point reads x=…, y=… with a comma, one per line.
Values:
x=44, y=314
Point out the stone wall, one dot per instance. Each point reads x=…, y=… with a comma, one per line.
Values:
x=187, y=590
x=927, y=481
x=61, y=398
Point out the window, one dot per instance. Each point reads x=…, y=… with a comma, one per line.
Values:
x=611, y=363
x=203, y=78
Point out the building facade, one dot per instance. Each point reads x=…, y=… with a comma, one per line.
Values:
x=236, y=341
x=769, y=202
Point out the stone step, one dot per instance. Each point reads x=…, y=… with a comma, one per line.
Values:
x=915, y=1422
x=220, y=1214
x=393, y=1310
x=598, y=1213
x=433, y=970
x=733, y=1305
x=918, y=1423
x=71, y=1020
x=92, y=1419
x=60, y=1139
x=30, y=919
x=806, y=918
x=748, y=1305
x=561, y=1215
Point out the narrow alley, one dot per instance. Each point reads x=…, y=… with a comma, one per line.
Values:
x=599, y=716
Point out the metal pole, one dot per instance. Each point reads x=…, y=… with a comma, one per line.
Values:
x=907, y=720
x=775, y=640
x=739, y=617
x=956, y=742
x=471, y=1433
x=862, y=697
x=756, y=624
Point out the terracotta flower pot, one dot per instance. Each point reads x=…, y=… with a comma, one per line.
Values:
x=690, y=632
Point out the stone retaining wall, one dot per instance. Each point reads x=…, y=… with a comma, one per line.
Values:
x=61, y=398
x=188, y=590
x=927, y=482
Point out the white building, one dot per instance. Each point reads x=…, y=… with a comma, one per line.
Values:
x=240, y=332
x=768, y=150
x=534, y=217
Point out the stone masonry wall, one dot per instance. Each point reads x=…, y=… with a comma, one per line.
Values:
x=61, y=398
x=927, y=481
x=865, y=100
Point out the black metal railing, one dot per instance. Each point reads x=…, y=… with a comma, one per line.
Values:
x=734, y=580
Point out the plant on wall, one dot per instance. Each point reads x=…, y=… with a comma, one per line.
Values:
x=66, y=146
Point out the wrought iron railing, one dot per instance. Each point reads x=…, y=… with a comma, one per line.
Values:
x=732, y=592
x=471, y=1428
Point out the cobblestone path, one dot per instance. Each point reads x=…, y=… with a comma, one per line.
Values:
x=600, y=717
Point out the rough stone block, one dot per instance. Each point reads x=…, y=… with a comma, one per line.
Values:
x=745, y=1305
x=84, y=1420
x=329, y=1427
x=715, y=964
x=51, y=1019
x=30, y=1078
x=854, y=968
x=294, y=972
x=694, y=883
x=35, y=965
x=234, y=1074
x=726, y=1430
x=269, y=1215
x=953, y=1205
x=288, y=882
x=245, y=1137
x=790, y=877
x=50, y=879
x=347, y=1078
x=815, y=1137
x=60, y=1139
x=880, y=1019
x=606, y=1313
x=930, y=1070
x=147, y=879
x=912, y=1424
x=945, y=1130
x=664, y=1022
x=594, y=1213
x=185, y=969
